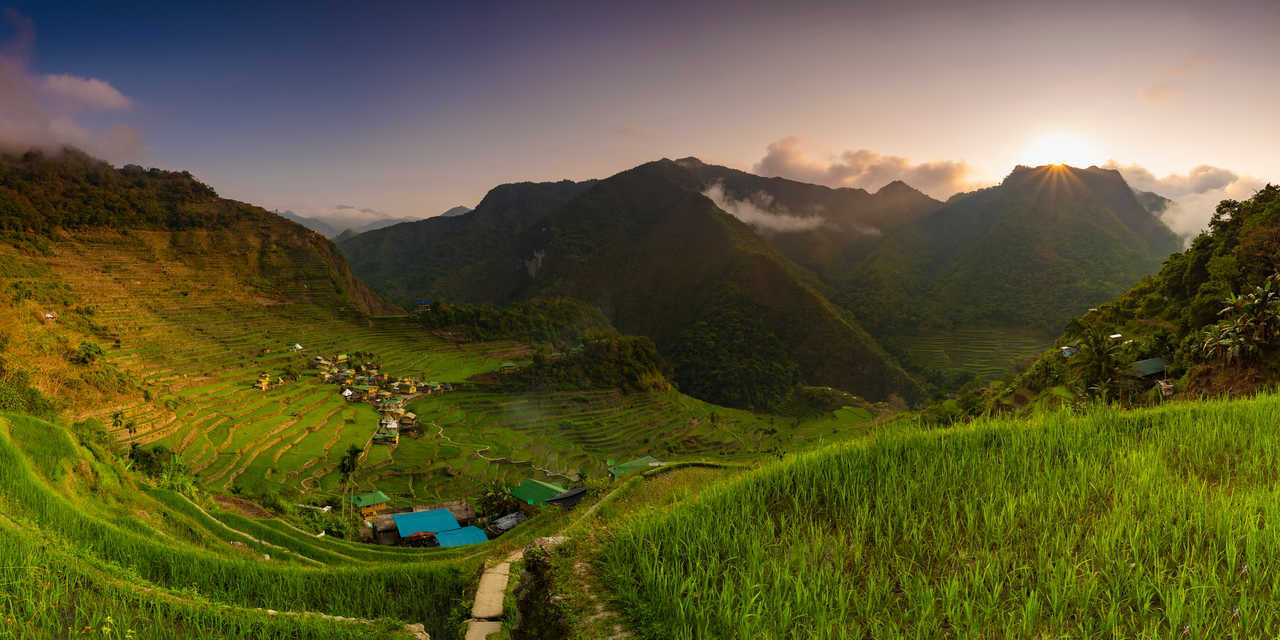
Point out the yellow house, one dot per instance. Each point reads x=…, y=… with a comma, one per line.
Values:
x=370, y=504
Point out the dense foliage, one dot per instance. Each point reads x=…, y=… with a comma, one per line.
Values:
x=17, y=394
x=629, y=363
x=733, y=359
x=659, y=259
x=560, y=322
x=40, y=192
x=1209, y=311
x=1030, y=253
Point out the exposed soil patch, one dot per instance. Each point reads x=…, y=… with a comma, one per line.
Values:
x=247, y=508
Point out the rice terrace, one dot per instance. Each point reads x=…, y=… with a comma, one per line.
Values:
x=422, y=321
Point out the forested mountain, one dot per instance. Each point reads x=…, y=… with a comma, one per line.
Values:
x=825, y=230
x=1212, y=312
x=1041, y=247
x=44, y=194
x=661, y=260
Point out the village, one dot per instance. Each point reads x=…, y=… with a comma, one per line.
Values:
x=358, y=378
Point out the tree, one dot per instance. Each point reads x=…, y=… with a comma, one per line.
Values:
x=350, y=462
x=1250, y=324
x=1097, y=367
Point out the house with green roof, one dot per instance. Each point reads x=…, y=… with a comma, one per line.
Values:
x=537, y=492
x=370, y=503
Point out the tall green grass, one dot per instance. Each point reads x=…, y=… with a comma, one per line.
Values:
x=49, y=591
x=416, y=592
x=1156, y=523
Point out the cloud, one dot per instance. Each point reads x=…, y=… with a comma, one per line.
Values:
x=1192, y=65
x=864, y=169
x=373, y=212
x=1160, y=95
x=1162, y=91
x=89, y=93
x=761, y=212
x=632, y=131
x=1195, y=194
x=36, y=111
x=342, y=216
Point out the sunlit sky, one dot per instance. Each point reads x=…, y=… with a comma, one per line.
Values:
x=409, y=109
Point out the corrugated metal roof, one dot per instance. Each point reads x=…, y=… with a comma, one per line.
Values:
x=459, y=537
x=435, y=521
x=536, y=491
x=1150, y=366
x=366, y=499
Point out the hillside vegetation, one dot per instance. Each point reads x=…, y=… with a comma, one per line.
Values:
x=1031, y=253
x=660, y=260
x=840, y=226
x=1212, y=312
x=86, y=553
x=1150, y=523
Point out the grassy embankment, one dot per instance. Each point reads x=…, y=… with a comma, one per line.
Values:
x=85, y=549
x=1151, y=523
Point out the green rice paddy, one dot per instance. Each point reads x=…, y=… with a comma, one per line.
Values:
x=987, y=353
x=1158, y=523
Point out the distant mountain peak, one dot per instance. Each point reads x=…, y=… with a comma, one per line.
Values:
x=898, y=187
x=456, y=211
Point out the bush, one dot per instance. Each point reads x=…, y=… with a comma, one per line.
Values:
x=87, y=353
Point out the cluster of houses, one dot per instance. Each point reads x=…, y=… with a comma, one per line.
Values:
x=363, y=382
x=454, y=523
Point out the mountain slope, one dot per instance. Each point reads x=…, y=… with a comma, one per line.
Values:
x=1039, y=248
x=72, y=194
x=659, y=259
x=1170, y=314
x=432, y=258
x=823, y=229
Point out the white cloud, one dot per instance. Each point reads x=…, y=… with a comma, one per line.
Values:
x=864, y=169
x=1195, y=194
x=89, y=93
x=761, y=212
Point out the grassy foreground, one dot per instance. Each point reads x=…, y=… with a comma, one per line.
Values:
x=80, y=556
x=1154, y=523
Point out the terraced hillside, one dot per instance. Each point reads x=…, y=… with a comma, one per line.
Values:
x=987, y=353
x=191, y=340
x=84, y=552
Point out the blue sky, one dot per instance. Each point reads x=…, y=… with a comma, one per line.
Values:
x=410, y=108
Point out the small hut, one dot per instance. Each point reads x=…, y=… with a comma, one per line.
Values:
x=370, y=504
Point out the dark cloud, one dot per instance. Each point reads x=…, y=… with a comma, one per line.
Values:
x=865, y=169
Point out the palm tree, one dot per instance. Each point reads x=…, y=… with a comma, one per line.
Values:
x=1097, y=366
x=1251, y=323
x=350, y=462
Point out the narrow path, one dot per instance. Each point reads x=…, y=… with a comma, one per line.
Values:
x=486, y=612
x=504, y=460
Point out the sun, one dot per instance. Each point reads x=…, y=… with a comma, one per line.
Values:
x=1059, y=148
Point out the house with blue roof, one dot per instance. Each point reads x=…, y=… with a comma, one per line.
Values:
x=460, y=537
x=433, y=521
